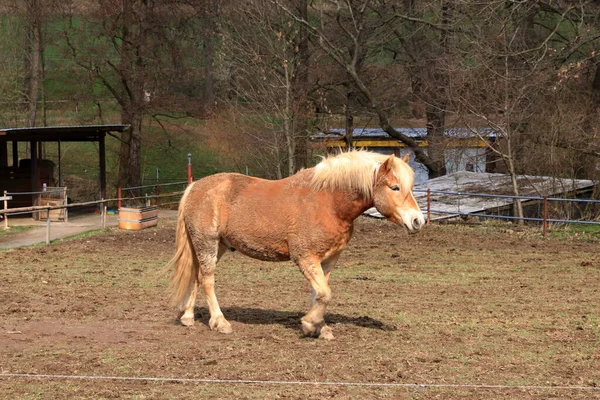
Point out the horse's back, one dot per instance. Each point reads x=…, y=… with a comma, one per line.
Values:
x=207, y=200
x=252, y=215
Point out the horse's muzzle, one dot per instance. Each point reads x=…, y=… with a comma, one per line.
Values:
x=415, y=224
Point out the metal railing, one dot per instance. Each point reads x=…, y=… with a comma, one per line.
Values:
x=47, y=208
x=143, y=195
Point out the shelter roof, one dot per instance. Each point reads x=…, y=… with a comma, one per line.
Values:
x=84, y=133
x=415, y=133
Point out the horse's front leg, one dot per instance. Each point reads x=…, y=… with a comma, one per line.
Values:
x=313, y=323
x=327, y=267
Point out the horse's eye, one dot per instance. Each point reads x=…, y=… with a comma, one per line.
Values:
x=395, y=188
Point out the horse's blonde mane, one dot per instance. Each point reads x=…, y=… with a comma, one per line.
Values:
x=357, y=170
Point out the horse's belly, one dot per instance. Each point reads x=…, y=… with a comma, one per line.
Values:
x=260, y=251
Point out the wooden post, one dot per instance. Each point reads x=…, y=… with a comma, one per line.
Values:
x=102, y=167
x=157, y=192
x=65, y=210
x=35, y=177
x=545, y=217
x=119, y=198
x=60, y=178
x=428, y=206
x=3, y=154
x=6, y=208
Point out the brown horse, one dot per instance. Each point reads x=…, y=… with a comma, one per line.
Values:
x=307, y=218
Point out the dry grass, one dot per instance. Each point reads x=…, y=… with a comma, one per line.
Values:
x=453, y=305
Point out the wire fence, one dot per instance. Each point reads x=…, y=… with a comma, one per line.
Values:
x=149, y=195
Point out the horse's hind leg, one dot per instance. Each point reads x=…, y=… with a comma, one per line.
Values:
x=187, y=318
x=208, y=260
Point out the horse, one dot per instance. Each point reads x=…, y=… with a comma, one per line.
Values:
x=307, y=218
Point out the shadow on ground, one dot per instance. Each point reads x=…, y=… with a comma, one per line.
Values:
x=288, y=319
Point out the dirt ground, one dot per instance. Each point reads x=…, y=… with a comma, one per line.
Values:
x=453, y=305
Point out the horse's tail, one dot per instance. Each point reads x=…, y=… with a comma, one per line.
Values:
x=185, y=264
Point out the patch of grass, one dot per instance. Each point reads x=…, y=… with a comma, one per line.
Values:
x=577, y=232
x=84, y=235
x=4, y=233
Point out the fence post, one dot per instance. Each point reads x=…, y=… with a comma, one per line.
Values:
x=545, y=217
x=119, y=198
x=157, y=192
x=48, y=225
x=65, y=210
x=190, y=178
x=6, y=208
x=103, y=215
x=428, y=206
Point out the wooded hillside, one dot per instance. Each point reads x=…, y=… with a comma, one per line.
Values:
x=252, y=80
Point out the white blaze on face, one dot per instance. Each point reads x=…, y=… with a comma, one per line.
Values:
x=411, y=216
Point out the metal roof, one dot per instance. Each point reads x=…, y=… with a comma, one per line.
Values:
x=486, y=183
x=84, y=133
x=416, y=133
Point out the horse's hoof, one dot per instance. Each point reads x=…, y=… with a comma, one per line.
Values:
x=188, y=321
x=220, y=325
x=326, y=333
x=224, y=327
x=309, y=329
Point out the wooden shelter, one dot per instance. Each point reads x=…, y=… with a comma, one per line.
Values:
x=464, y=149
x=29, y=175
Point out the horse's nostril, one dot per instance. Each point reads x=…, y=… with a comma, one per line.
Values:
x=416, y=223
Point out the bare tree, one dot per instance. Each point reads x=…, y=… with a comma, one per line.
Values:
x=352, y=31
x=268, y=56
x=128, y=60
x=507, y=77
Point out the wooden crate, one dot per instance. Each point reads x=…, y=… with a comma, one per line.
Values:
x=53, y=196
x=55, y=215
x=135, y=219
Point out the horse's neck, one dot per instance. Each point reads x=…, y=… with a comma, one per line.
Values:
x=350, y=205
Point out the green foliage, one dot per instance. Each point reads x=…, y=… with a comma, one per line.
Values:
x=12, y=230
x=577, y=232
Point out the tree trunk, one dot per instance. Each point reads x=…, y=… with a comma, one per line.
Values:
x=350, y=100
x=437, y=100
x=517, y=205
x=436, y=122
x=35, y=47
x=301, y=125
x=209, y=52
x=288, y=125
x=133, y=74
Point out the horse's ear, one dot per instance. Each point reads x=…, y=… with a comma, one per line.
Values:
x=387, y=165
x=405, y=158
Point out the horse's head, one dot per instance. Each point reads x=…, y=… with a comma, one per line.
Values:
x=392, y=195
